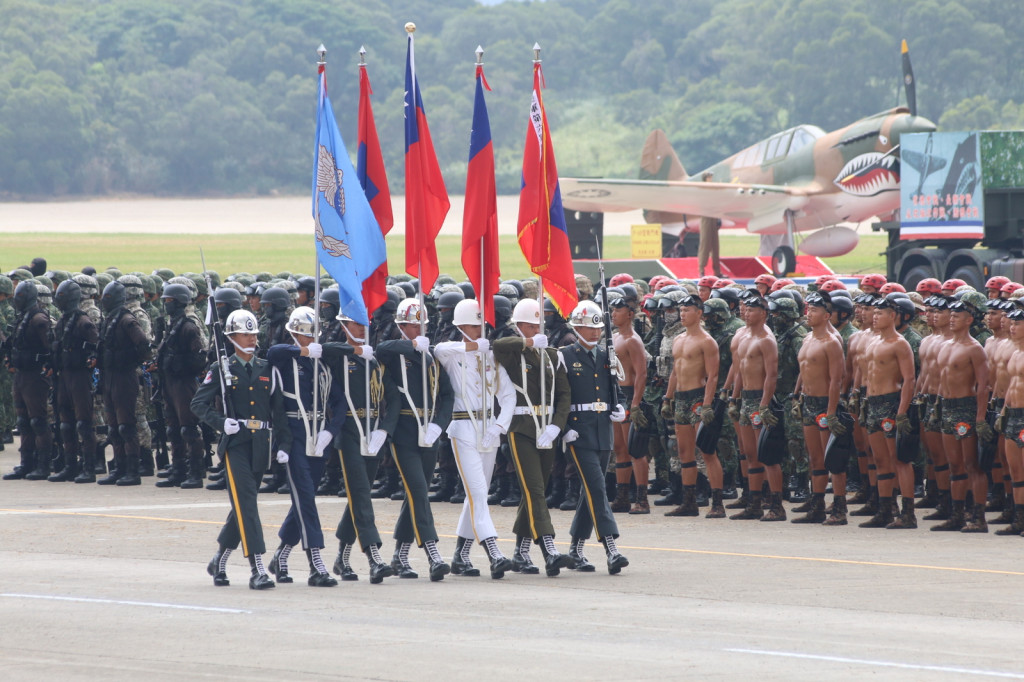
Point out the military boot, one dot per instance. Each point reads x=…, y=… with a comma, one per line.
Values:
x=42, y=469
x=514, y=496
x=775, y=512
x=688, y=507
x=641, y=506
x=1016, y=526
x=461, y=565
x=907, y=519
x=816, y=512
x=837, y=517
x=147, y=466
x=743, y=501
x=331, y=483
x=117, y=470
x=621, y=502
x=459, y=494
x=195, y=475
x=68, y=472
x=501, y=490
x=884, y=516
x=996, y=498
x=445, y=490
x=175, y=475
x=717, y=510
x=753, y=510
x=977, y=523
x=798, y=489
x=931, y=495
x=956, y=519
x=572, y=495
x=1009, y=509
x=131, y=471
x=675, y=496
x=87, y=473
x=871, y=508
x=557, y=495
x=943, y=508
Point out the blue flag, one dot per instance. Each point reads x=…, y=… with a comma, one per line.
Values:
x=349, y=242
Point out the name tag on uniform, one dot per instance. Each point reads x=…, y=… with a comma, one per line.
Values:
x=264, y=378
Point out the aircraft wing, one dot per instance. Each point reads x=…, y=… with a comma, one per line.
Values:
x=734, y=202
x=920, y=162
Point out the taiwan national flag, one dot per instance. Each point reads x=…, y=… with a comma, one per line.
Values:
x=542, y=233
x=349, y=242
x=426, y=199
x=480, y=218
x=370, y=169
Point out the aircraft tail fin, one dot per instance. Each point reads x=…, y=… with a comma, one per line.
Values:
x=658, y=161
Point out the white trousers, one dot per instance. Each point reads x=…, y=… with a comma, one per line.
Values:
x=475, y=468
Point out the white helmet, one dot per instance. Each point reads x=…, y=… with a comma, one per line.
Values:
x=527, y=310
x=467, y=312
x=302, y=321
x=587, y=314
x=241, y=322
x=410, y=312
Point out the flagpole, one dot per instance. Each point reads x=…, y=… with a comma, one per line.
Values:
x=366, y=373
x=481, y=300
x=321, y=67
x=540, y=297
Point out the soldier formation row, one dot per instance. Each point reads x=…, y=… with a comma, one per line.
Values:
x=833, y=386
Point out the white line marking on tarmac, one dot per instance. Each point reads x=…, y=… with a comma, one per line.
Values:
x=119, y=602
x=883, y=664
x=145, y=507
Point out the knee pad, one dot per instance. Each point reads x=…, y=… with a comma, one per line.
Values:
x=84, y=429
x=24, y=424
x=39, y=425
x=67, y=431
x=189, y=432
x=127, y=431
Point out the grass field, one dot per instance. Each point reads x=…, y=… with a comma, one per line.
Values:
x=228, y=253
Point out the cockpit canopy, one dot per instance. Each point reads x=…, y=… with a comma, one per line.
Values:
x=778, y=146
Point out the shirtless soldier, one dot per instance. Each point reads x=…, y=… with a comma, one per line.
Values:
x=890, y=388
x=629, y=349
x=1012, y=420
x=821, y=376
x=937, y=317
x=691, y=389
x=963, y=378
x=856, y=369
x=998, y=350
x=754, y=384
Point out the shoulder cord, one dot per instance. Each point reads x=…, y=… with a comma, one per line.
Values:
x=544, y=419
x=428, y=411
x=487, y=392
x=363, y=436
x=309, y=422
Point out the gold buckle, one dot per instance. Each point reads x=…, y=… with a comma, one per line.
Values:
x=600, y=406
x=253, y=424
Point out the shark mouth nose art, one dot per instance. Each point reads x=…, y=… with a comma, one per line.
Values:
x=869, y=174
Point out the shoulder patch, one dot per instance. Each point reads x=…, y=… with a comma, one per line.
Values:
x=209, y=378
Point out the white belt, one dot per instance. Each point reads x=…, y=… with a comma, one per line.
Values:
x=598, y=406
x=526, y=409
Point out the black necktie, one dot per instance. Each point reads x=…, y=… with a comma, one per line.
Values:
x=248, y=369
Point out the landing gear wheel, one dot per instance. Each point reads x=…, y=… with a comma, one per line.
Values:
x=783, y=261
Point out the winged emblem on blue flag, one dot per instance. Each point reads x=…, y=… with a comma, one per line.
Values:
x=328, y=181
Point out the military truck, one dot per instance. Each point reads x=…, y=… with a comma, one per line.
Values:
x=961, y=208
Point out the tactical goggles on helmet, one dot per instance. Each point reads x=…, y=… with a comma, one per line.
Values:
x=819, y=301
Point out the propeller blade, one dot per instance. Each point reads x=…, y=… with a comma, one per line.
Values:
x=908, y=80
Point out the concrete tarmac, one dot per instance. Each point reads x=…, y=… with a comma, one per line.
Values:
x=110, y=583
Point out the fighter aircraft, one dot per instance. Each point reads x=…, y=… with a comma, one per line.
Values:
x=797, y=180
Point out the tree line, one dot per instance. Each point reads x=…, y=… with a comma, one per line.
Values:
x=218, y=97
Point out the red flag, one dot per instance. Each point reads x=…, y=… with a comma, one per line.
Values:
x=542, y=233
x=480, y=218
x=370, y=169
x=426, y=199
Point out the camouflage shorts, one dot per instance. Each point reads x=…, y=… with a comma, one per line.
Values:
x=815, y=409
x=750, y=408
x=862, y=415
x=687, y=407
x=959, y=415
x=1013, y=426
x=881, y=413
x=927, y=409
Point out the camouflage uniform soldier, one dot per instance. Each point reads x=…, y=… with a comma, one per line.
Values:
x=655, y=391
x=46, y=298
x=722, y=326
x=7, y=315
x=790, y=336
x=191, y=311
x=90, y=295
x=134, y=297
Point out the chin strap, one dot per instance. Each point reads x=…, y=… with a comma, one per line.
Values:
x=251, y=350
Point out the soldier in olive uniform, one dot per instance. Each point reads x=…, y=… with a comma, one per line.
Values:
x=539, y=419
x=252, y=422
x=371, y=415
x=595, y=404
x=74, y=355
x=123, y=346
x=7, y=317
x=29, y=352
x=789, y=334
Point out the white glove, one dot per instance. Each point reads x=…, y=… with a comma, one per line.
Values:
x=377, y=438
x=282, y=457
x=540, y=341
x=231, y=426
x=421, y=343
x=323, y=439
x=483, y=345
x=570, y=437
x=547, y=438
x=366, y=352
x=618, y=415
x=315, y=350
x=492, y=435
x=432, y=434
